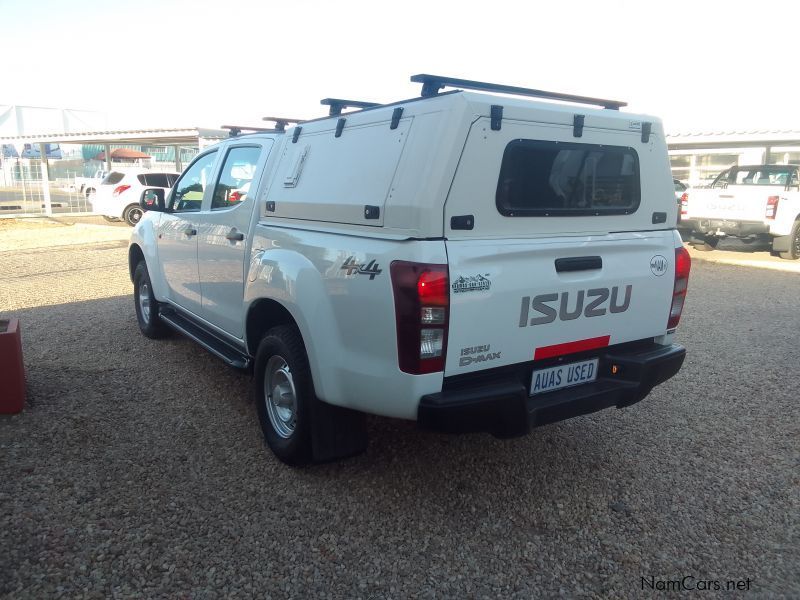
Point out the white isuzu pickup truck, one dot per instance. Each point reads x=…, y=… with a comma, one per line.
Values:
x=759, y=202
x=471, y=261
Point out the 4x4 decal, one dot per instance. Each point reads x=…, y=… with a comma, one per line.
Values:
x=351, y=265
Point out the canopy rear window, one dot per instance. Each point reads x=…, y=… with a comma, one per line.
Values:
x=552, y=179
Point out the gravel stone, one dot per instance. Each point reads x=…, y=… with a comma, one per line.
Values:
x=138, y=468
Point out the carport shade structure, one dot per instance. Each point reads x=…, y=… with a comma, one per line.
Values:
x=193, y=136
x=123, y=153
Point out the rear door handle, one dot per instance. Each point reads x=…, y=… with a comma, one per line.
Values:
x=578, y=263
x=234, y=235
x=190, y=231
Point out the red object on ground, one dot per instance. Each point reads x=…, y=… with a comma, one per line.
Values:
x=12, y=369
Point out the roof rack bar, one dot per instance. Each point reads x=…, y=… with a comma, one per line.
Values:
x=235, y=130
x=431, y=84
x=282, y=122
x=338, y=105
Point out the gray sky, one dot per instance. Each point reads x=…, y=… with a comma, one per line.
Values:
x=697, y=65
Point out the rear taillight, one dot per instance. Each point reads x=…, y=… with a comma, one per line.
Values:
x=684, y=204
x=422, y=312
x=119, y=189
x=683, y=264
x=772, y=207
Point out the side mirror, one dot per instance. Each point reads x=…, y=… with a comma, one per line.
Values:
x=152, y=199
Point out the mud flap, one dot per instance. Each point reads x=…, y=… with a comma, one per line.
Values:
x=336, y=432
x=782, y=243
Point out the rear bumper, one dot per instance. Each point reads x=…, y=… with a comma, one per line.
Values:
x=501, y=406
x=727, y=226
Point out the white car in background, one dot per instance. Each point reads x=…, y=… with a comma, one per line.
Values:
x=117, y=196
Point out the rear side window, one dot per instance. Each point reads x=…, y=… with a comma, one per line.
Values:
x=236, y=176
x=142, y=179
x=561, y=179
x=113, y=178
x=157, y=180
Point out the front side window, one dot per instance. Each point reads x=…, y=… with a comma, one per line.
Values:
x=188, y=195
x=545, y=178
x=236, y=176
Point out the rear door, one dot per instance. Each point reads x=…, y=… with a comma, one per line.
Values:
x=222, y=235
x=569, y=247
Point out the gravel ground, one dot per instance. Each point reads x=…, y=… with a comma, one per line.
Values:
x=138, y=468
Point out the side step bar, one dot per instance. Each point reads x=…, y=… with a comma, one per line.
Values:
x=217, y=346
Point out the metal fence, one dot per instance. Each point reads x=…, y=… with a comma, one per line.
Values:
x=22, y=191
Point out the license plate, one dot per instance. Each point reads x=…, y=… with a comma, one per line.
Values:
x=556, y=378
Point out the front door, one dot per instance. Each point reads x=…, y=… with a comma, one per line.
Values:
x=222, y=236
x=177, y=234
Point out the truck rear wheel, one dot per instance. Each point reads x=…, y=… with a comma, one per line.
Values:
x=284, y=391
x=298, y=427
x=794, y=244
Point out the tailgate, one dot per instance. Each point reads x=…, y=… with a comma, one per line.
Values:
x=736, y=202
x=512, y=298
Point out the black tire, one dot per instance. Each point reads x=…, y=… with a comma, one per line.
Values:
x=794, y=244
x=707, y=244
x=288, y=436
x=133, y=214
x=111, y=219
x=146, y=304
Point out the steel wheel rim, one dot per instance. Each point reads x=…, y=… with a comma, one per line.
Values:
x=135, y=215
x=144, y=301
x=280, y=396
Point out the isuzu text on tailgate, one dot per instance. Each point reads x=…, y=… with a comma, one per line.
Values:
x=470, y=261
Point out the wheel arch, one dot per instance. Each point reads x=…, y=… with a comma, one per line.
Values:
x=135, y=256
x=263, y=315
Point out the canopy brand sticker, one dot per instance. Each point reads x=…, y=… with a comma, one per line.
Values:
x=471, y=283
x=658, y=265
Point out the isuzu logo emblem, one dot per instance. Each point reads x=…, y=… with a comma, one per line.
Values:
x=566, y=307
